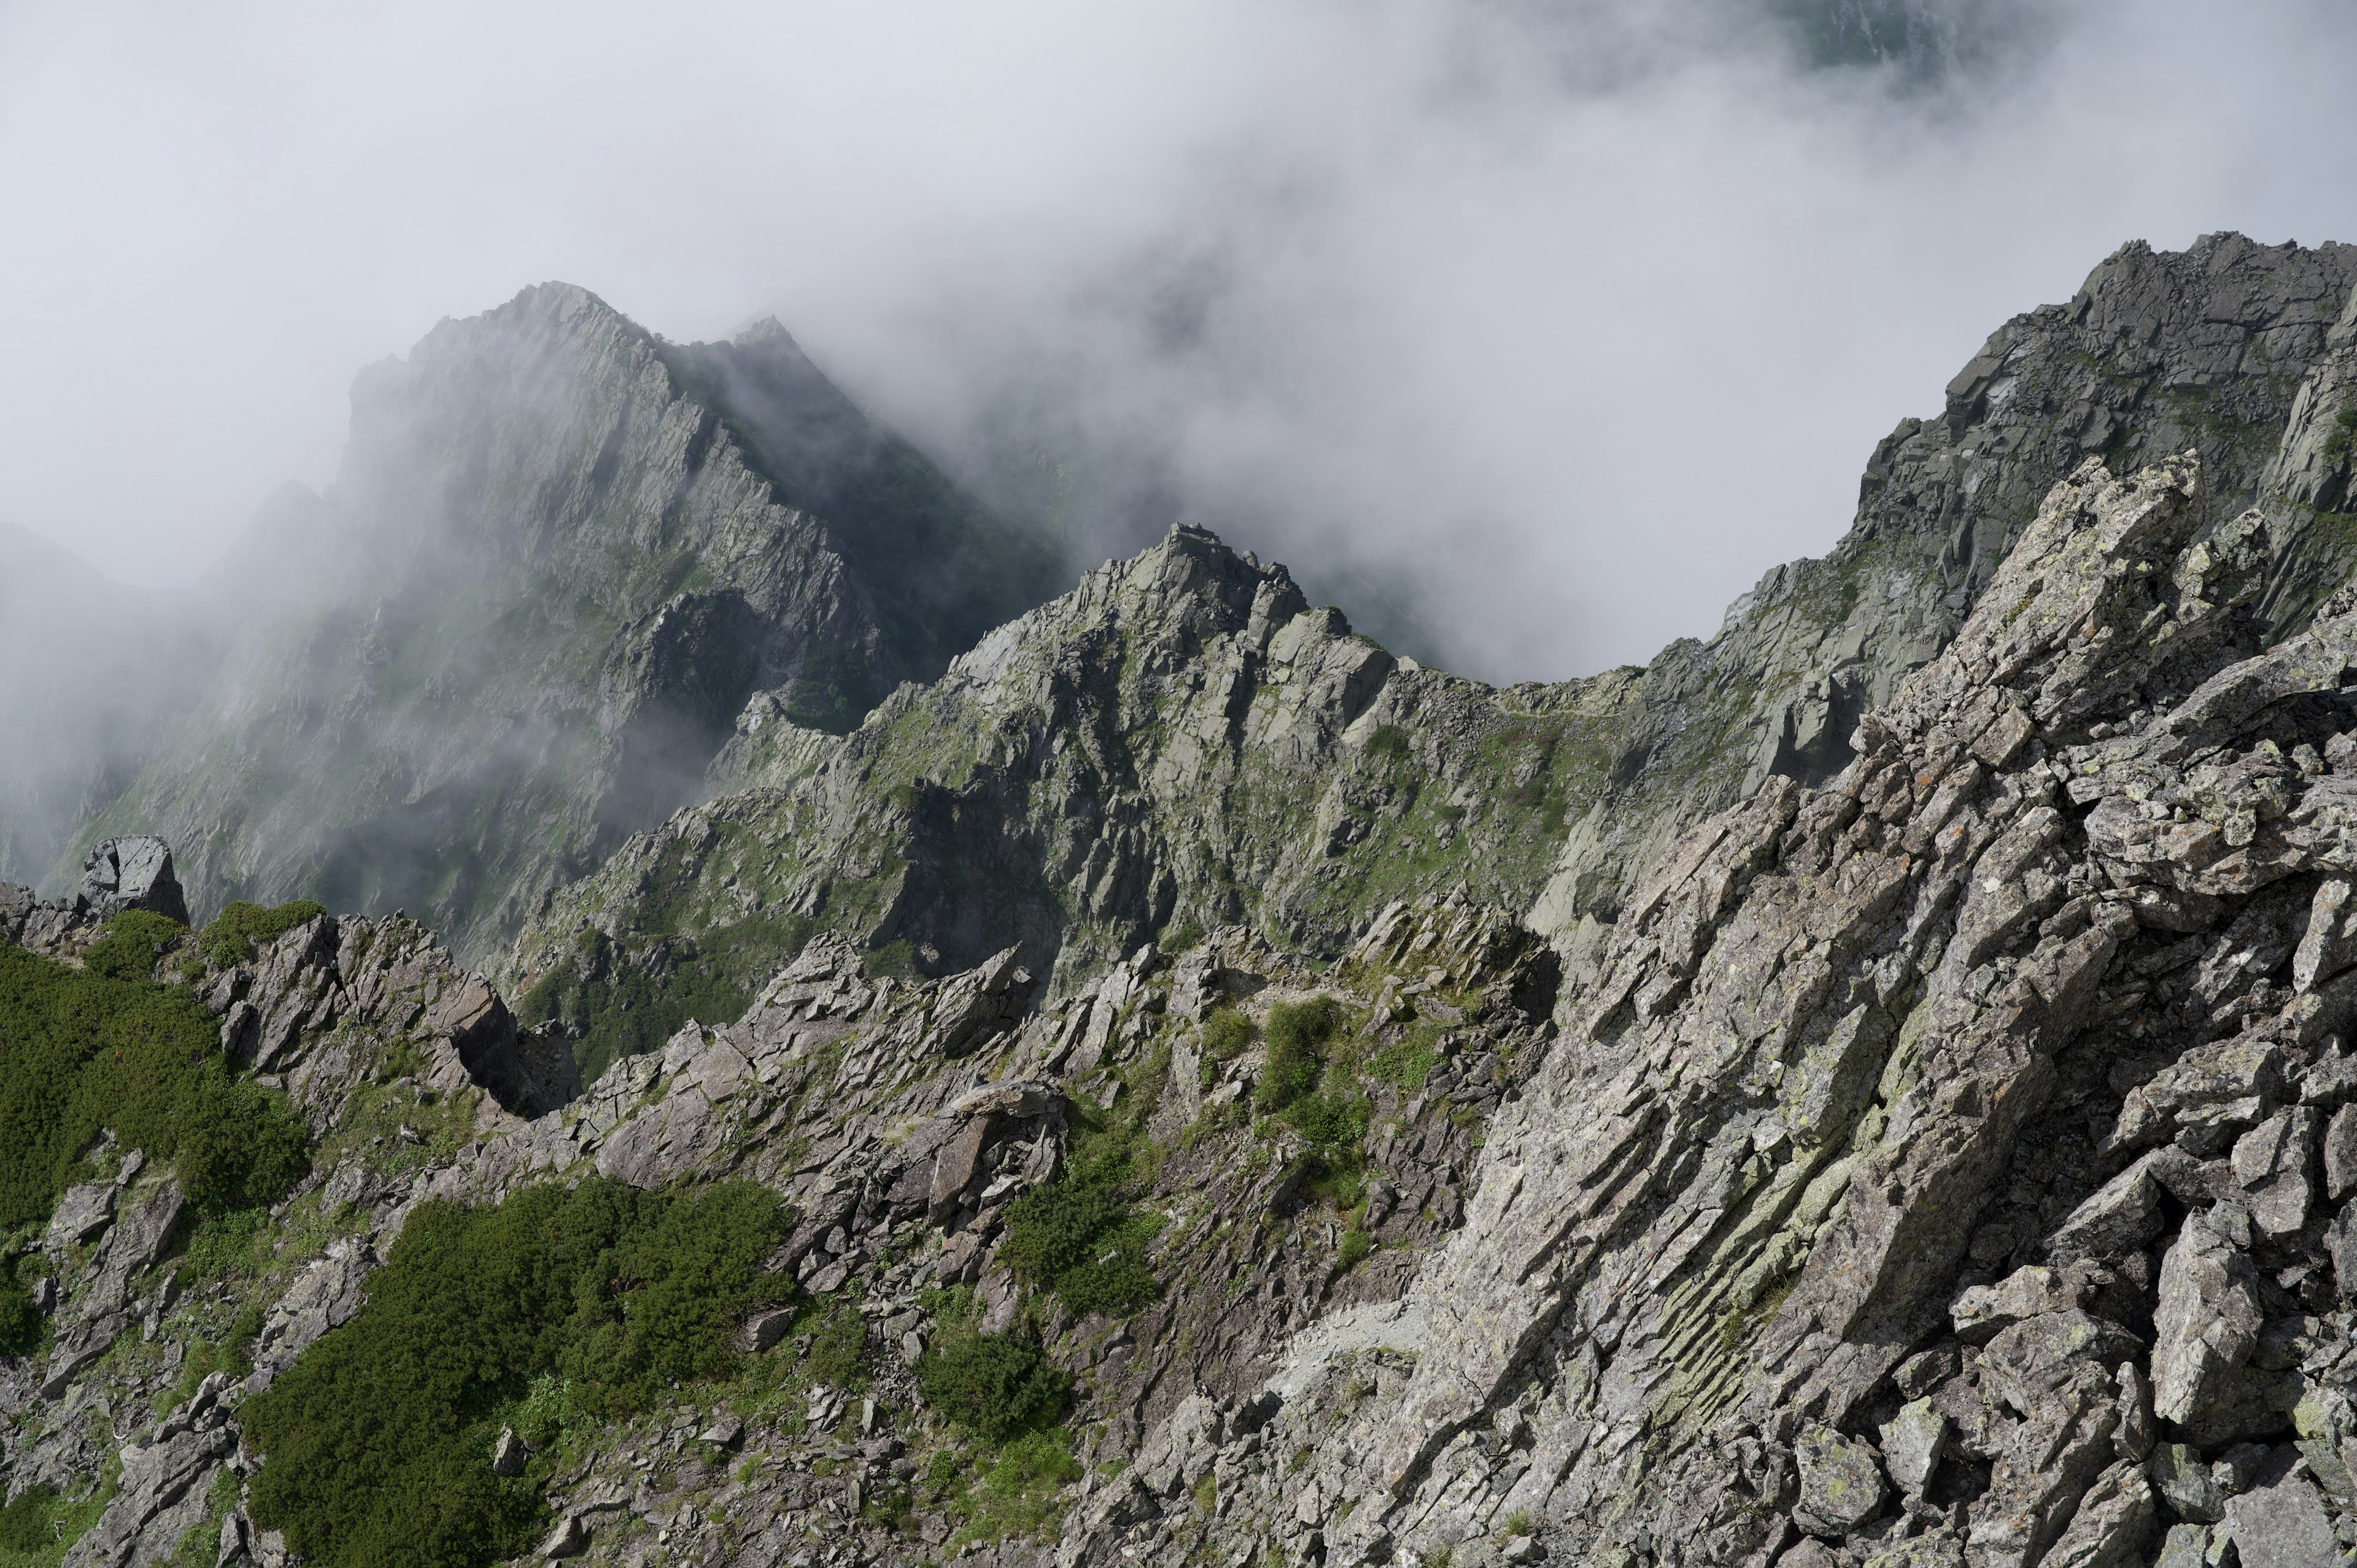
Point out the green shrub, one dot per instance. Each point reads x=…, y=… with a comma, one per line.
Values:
x=20, y=1322
x=221, y=1244
x=134, y=939
x=993, y=1385
x=1296, y=1032
x=1186, y=935
x=235, y=934
x=89, y=1052
x=1227, y=1033
x=1389, y=742
x=1084, y=1241
x=839, y=1352
x=1329, y=1121
x=24, y=1523
x=377, y=1441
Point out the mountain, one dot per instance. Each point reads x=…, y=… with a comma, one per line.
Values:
x=559, y=557
x=1956, y=1164
x=1183, y=741
x=1185, y=1083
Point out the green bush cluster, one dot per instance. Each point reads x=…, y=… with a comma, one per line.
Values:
x=839, y=1352
x=90, y=1051
x=1084, y=1241
x=1081, y=1236
x=377, y=1442
x=1227, y=1033
x=20, y=1324
x=25, y=1524
x=993, y=1385
x=134, y=939
x=236, y=933
x=1297, y=1031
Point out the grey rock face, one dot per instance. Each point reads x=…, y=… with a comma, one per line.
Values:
x=1887, y=1099
x=1241, y=761
x=132, y=873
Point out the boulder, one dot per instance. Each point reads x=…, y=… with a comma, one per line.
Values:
x=82, y=1213
x=1912, y=1444
x=569, y=1538
x=2341, y=1154
x=2185, y=1482
x=2204, y=1329
x=2281, y=1521
x=132, y=873
x=1841, y=1484
x=2271, y=1163
x=2114, y=1521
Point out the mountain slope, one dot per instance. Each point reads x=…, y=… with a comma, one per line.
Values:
x=546, y=581
x=1182, y=742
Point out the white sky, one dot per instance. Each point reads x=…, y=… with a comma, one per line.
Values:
x=1577, y=319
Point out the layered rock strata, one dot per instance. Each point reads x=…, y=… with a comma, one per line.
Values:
x=1939, y=1171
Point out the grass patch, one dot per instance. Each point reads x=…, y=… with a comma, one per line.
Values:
x=39, y=1528
x=221, y=1244
x=614, y=1008
x=237, y=932
x=1389, y=742
x=1406, y=1063
x=228, y=1354
x=377, y=1442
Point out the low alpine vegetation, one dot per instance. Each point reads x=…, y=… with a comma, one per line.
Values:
x=105, y=1048
x=376, y=1442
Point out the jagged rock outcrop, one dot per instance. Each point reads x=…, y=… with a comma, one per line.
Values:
x=118, y=875
x=1182, y=739
x=1179, y=742
x=1845, y=1209
x=559, y=557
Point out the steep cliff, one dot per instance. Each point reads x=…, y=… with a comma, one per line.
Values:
x=558, y=558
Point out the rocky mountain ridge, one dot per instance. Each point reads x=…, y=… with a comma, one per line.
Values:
x=1872, y=1090
x=1947, y=1166
x=559, y=557
x=1248, y=758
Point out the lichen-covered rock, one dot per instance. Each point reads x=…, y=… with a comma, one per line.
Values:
x=1841, y=1483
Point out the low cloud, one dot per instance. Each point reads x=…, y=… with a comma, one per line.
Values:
x=1533, y=333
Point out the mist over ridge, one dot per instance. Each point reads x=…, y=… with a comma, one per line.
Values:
x=1554, y=325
